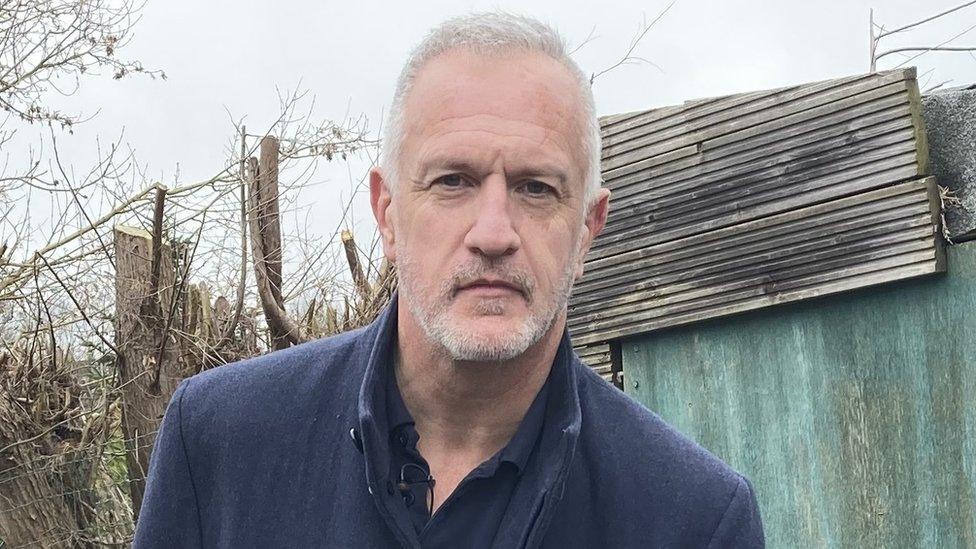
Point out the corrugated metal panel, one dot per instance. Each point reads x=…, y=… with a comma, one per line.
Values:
x=730, y=204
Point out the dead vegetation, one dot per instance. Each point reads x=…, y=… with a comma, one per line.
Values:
x=133, y=285
x=102, y=324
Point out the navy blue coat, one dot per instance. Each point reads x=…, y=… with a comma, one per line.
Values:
x=259, y=454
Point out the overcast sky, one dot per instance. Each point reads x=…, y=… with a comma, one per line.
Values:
x=228, y=56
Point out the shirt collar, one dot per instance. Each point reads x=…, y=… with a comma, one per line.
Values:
x=397, y=413
x=518, y=449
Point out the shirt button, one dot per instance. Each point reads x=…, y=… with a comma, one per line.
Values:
x=402, y=439
x=356, y=439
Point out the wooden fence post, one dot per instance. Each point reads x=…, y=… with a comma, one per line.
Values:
x=268, y=213
x=266, y=243
x=148, y=378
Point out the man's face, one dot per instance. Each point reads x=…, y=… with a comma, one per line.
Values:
x=487, y=224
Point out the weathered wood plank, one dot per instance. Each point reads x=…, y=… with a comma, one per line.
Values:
x=692, y=112
x=728, y=122
x=728, y=125
x=918, y=122
x=934, y=193
x=906, y=234
x=598, y=358
x=888, y=270
x=706, y=250
x=636, y=119
x=773, y=132
x=846, y=109
x=594, y=354
x=682, y=275
x=832, y=150
x=802, y=218
x=861, y=125
x=850, y=254
x=837, y=158
x=862, y=178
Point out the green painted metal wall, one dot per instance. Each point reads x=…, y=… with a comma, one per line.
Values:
x=854, y=415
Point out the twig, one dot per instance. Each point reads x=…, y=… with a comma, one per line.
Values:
x=937, y=46
x=585, y=41
x=80, y=308
x=50, y=322
x=873, y=44
x=931, y=89
x=74, y=194
x=876, y=39
x=628, y=56
x=173, y=305
x=926, y=20
x=923, y=49
x=119, y=208
x=355, y=267
x=157, y=241
x=228, y=331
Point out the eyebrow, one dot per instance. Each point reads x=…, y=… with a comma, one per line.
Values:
x=544, y=169
x=450, y=165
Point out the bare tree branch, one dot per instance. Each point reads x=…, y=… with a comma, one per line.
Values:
x=926, y=20
x=628, y=56
x=47, y=42
x=925, y=49
x=875, y=39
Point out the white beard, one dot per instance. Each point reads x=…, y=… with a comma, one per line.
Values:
x=431, y=311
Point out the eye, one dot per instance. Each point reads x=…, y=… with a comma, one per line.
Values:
x=537, y=188
x=450, y=181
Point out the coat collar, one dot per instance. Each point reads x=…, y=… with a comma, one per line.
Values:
x=544, y=474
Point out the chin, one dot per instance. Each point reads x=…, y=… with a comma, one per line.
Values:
x=487, y=338
x=481, y=349
x=484, y=329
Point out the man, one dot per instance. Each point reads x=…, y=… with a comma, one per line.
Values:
x=461, y=417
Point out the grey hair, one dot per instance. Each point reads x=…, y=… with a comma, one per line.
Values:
x=490, y=34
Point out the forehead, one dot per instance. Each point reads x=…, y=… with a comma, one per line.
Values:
x=529, y=98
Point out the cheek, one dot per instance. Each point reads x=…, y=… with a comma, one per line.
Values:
x=553, y=254
x=432, y=235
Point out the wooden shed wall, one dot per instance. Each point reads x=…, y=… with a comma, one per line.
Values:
x=730, y=204
x=853, y=415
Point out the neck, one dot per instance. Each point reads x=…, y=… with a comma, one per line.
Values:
x=471, y=408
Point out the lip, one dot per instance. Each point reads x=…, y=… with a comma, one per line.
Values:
x=490, y=288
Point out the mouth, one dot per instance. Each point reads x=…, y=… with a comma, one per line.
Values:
x=485, y=287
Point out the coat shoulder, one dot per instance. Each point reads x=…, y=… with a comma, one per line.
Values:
x=641, y=438
x=267, y=375
x=672, y=483
x=274, y=392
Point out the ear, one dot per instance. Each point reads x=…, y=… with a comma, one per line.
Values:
x=596, y=218
x=380, y=200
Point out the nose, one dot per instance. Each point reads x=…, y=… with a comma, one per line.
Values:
x=493, y=234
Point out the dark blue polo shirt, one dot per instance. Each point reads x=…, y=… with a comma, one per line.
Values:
x=474, y=510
